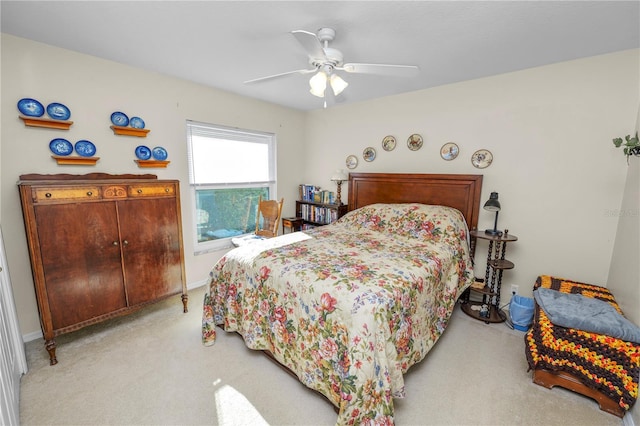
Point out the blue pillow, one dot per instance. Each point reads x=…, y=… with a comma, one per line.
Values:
x=586, y=313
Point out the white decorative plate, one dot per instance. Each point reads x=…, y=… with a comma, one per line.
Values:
x=389, y=143
x=369, y=154
x=352, y=162
x=414, y=142
x=449, y=151
x=481, y=159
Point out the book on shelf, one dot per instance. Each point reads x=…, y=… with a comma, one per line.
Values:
x=327, y=197
x=314, y=194
x=318, y=214
x=307, y=192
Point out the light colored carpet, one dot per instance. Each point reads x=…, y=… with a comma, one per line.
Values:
x=150, y=368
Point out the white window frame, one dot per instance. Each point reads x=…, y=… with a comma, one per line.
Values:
x=232, y=134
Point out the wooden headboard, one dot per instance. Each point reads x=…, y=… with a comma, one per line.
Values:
x=459, y=191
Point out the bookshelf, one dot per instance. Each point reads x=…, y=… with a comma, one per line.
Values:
x=318, y=214
x=317, y=206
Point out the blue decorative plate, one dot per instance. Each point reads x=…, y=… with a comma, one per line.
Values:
x=136, y=123
x=159, y=153
x=85, y=148
x=143, y=152
x=120, y=119
x=30, y=107
x=60, y=146
x=58, y=111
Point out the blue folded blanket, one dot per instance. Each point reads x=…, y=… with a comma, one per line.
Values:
x=585, y=313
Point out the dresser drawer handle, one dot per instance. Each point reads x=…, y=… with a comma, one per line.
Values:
x=139, y=191
x=167, y=190
x=89, y=193
x=48, y=195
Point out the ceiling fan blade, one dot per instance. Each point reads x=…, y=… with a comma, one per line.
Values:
x=310, y=43
x=269, y=77
x=381, y=69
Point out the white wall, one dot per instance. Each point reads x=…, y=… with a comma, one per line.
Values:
x=555, y=168
x=549, y=128
x=93, y=88
x=624, y=273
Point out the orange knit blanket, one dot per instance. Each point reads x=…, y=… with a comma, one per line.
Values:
x=607, y=364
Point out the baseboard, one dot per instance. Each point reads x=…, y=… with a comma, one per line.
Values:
x=627, y=420
x=197, y=284
x=29, y=337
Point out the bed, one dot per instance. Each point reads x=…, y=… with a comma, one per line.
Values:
x=350, y=307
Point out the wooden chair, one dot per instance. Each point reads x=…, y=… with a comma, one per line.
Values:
x=268, y=217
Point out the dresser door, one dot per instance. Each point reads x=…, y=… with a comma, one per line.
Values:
x=151, y=248
x=81, y=259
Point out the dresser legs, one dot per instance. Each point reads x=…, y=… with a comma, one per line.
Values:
x=50, y=345
x=185, y=302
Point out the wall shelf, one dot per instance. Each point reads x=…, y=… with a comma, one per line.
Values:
x=130, y=131
x=46, y=122
x=76, y=161
x=152, y=163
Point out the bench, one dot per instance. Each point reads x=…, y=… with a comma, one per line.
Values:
x=598, y=366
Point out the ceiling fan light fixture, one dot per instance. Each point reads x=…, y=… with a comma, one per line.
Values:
x=337, y=84
x=324, y=61
x=318, y=84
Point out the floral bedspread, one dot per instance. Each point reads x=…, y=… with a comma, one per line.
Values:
x=350, y=306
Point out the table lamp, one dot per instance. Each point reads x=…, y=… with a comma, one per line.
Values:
x=338, y=177
x=493, y=205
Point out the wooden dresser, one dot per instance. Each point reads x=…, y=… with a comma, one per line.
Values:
x=101, y=246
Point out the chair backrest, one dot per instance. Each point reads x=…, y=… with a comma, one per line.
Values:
x=268, y=217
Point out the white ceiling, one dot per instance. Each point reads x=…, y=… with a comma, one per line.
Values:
x=223, y=43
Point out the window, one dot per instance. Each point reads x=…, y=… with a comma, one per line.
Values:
x=229, y=169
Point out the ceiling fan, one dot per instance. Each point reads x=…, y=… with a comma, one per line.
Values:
x=325, y=61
